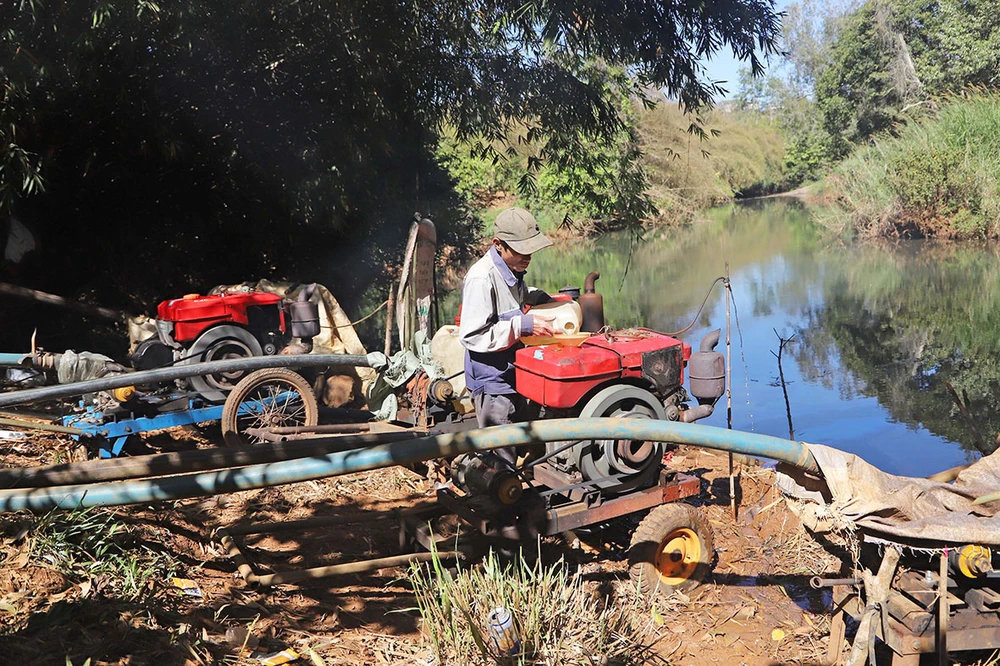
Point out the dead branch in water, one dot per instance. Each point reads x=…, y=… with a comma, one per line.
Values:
x=781, y=377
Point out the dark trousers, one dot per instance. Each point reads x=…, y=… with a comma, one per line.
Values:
x=501, y=409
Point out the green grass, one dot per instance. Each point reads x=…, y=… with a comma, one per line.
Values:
x=558, y=620
x=89, y=544
x=939, y=177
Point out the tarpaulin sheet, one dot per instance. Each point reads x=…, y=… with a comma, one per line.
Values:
x=79, y=367
x=856, y=494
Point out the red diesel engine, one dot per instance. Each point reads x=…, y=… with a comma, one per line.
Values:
x=626, y=374
x=182, y=321
x=199, y=329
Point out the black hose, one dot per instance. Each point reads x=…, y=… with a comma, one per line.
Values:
x=162, y=464
x=180, y=372
x=694, y=319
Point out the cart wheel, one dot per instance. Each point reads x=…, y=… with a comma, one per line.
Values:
x=671, y=550
x=269, y=398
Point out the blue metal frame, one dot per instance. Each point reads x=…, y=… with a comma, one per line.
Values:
x=108, y=427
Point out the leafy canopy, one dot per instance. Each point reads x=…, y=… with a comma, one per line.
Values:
x=219, y=120
x=893, y=57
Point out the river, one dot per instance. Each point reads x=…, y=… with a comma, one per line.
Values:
x=876, y=330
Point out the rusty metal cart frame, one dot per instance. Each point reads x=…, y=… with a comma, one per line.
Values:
x=414, y=526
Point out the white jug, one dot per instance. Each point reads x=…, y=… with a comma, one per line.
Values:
x=566, y=315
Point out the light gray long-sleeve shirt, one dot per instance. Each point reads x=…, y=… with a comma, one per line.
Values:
x=493, y=321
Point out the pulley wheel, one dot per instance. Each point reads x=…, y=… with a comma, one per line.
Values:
x=219, y=344
x=637, y=460
x=269, y=398
x=670, y=550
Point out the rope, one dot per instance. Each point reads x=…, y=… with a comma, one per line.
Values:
x=367, y=316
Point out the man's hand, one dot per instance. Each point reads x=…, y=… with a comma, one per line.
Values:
x=542, y=325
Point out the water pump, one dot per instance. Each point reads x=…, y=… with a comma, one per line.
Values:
x=198, y=329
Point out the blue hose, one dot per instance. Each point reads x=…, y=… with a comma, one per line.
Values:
x=12, y=360
x=398, y=453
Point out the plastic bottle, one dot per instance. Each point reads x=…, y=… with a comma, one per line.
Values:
x=566, y=316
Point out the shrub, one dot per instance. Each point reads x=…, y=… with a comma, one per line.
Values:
x=939, y=177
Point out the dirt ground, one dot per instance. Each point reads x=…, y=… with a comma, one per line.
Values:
x=755, y=607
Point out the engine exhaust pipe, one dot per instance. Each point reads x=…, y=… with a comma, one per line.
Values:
x=709, y=342
x=694, y=413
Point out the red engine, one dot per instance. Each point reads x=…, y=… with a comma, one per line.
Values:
x=560, y=377
x=625, y=374
x=200, y=329
x=180, y=321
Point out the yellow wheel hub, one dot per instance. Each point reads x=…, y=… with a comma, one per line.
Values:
x=678, y=556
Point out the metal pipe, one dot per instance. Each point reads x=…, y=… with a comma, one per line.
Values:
x=181, y=371
x=398, y=453
x=817, y=582
x=265, y=435
x=34, y=425
x=361, y=566
x=330, y=429
x=697, y=412
x=162, y=464
x=942, y=609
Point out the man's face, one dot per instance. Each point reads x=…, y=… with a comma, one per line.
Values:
x=515, y=261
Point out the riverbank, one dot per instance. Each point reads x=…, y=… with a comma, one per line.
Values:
x=938, y=176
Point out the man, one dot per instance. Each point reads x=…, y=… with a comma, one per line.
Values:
x=493, y=318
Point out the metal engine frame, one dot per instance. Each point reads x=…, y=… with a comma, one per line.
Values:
x=911, y=615
x=546, y=511
x=543, y=511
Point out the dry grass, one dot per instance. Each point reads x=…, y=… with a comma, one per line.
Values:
x=558, y=619
x=687, y=173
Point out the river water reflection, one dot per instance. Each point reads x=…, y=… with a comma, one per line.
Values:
x=878, y=330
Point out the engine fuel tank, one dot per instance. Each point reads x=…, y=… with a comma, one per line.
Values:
x=557, y=376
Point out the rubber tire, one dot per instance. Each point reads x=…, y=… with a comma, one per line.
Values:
x=653, y=531
x=231, y=433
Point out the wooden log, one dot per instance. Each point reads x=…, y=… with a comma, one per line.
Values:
x=60, y=301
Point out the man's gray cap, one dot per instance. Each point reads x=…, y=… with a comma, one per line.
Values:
x=517, y=228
